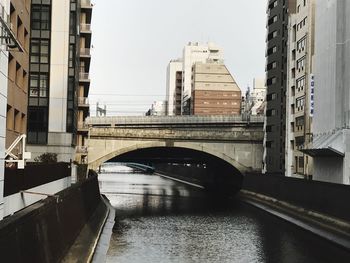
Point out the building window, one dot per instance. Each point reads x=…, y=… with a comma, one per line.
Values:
x=271, y=81
x=301, y=44
x=299, y=123
x=39, y=51
x=37, y=125
x=38, y=89
x=40, y=17
x=301, y=64
x=301, y=83
x=300, y=102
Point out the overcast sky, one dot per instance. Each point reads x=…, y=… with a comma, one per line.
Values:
x=134, y=40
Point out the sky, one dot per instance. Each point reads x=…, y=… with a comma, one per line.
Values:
x=134, y=40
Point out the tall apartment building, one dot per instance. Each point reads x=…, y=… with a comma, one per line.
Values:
x=192, y=53
x=18, y=72
x=214, y=90
x=276, y=82
x=59, y=79
x=173, y=87
x=330, y=148
x=84, y=61
x=300, y=72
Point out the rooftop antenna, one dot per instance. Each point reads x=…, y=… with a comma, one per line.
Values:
x=101, y=111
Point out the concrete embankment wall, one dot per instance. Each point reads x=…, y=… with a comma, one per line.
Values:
x=45, y=231
x=326, y=198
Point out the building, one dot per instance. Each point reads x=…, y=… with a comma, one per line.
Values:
x=258, y=96
x=254, y=102
x=214, y=90
x=330, y=148
x=9, y=41
x=84, y=60
x=192, y=53
x=18, y=72
x=300, y=72
x=5, y=5
x=174, y=85
x=158, y=108
x=59, y=78
x=276, y=83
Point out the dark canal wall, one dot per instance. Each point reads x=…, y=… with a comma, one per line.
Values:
x=45, y=231
x=327, y=198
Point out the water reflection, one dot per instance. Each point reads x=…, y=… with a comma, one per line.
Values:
x=159, y=220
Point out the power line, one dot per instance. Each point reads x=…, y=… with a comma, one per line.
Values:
x=127, y=95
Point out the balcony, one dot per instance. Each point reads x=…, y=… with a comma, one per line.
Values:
x=85, y=52
x=83, y=102
x=84, y=77
x=86, y=4
x=85, y=28
x=82, y=127
x=81, y=150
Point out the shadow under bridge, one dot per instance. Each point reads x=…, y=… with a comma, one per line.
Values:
x=214, y=173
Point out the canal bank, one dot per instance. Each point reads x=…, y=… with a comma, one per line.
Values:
x=63, y=227
x=316, y=207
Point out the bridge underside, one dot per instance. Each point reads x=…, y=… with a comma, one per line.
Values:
x=214, y=173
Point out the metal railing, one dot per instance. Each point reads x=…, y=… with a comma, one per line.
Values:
x=85, y=27
x=219, y=119
x=85, y=52
x=83, y=101
x=85, y=3
x=84, y=76
x=82, y=125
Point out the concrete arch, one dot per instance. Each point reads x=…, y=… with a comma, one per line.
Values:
x=94, y=164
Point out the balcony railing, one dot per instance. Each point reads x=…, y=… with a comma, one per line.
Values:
x=83, y=101
x=85, y=52
x=85, y=3
x=84, y=76
x=81, y=149
x=85, y=27
x=82, y=126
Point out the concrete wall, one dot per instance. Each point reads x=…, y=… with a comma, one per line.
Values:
x=320, y=197
x=59, y=143
x=3, y=104
x=16, y=202
x=45, y=231
x=332, y=82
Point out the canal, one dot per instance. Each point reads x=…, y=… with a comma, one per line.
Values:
x=159, y=220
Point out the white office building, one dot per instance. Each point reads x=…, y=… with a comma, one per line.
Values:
x=331, y=121
x=300, y=71
x=258, y=96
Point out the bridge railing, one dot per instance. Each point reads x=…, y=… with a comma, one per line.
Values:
x=139, y=120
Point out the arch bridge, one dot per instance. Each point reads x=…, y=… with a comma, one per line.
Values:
x=217, y=141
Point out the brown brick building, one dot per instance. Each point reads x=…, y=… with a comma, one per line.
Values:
x=214, y=90
x=18, y=72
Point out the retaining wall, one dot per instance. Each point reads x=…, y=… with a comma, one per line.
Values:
x=44, y=231
x=327, y=198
